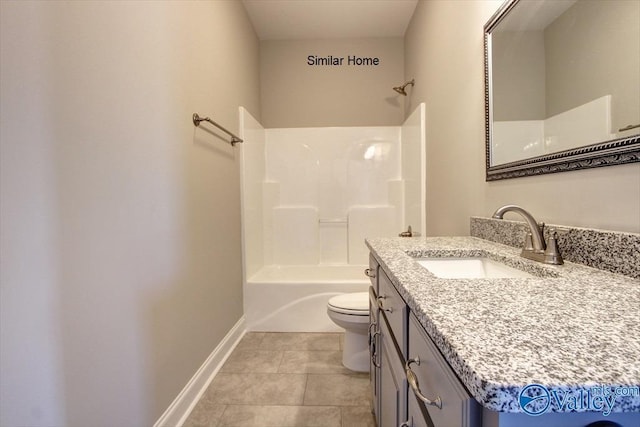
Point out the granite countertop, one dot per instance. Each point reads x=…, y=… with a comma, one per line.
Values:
x=571, y=328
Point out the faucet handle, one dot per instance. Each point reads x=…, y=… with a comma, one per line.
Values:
x=552, y=253
x=528, y=242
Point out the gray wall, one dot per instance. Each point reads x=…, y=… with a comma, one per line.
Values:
x=444, y=52
x=120, y=222
x=295, y=94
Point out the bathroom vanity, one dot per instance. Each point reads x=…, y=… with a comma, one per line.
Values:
x=458, y=351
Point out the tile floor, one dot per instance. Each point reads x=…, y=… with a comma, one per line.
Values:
x=285, y=380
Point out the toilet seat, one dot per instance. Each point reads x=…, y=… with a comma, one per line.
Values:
x=354, y=304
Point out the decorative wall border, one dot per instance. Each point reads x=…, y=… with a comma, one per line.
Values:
x=610, y=153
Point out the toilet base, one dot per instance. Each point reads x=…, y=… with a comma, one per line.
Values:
x=355, y=355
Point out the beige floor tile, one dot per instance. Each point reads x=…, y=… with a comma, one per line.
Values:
x=309, y=367
x=251, y=340
x=301, y=341
x=257, y=389
x=313, y=362
x=250, y=360
x=205, y=414
x=281, y=416
x=337, y=389
x=357, y=416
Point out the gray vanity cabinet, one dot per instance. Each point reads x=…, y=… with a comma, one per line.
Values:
x=395, y=337
x=374, y=337
x=388, y=333
x=450, y=403
x=393, y=384
x=404, y=359
x=374, y=352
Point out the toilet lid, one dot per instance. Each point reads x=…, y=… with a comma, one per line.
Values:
x=353, y=303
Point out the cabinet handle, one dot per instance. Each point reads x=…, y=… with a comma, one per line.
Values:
x=405, y=424
x=369, y=272
x=373, y=350
x=413, y=382
x=373, y=324
x=381, y=307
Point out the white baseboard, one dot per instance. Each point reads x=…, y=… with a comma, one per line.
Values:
x=183, y=404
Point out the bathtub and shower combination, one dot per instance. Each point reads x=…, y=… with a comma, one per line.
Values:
x=310, y=196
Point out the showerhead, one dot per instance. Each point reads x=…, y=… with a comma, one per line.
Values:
x=400, y=89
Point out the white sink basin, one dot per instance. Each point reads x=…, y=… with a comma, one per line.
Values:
x=470, y=268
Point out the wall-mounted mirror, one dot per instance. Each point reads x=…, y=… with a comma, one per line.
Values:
x=562, y=86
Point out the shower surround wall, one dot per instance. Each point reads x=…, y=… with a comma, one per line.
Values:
x=326, y=189
x=310, y=196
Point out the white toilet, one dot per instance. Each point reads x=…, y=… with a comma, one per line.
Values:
x=351, y=312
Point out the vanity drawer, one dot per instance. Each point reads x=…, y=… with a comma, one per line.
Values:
x=393, y=307
x=435, y=379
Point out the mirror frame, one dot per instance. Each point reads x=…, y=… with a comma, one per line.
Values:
x=608, y=153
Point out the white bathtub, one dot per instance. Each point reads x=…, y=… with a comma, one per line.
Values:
x=294, y=298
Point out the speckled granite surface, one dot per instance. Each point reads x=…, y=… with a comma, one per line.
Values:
x=605, y=250
x=570, y=329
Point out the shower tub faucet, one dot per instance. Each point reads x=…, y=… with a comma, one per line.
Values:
x=407, y=233
x=535, y=247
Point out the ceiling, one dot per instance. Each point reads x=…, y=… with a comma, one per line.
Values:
x=321, y=19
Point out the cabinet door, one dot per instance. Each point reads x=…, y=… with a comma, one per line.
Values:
x=417, y=415
x=374, y=353
x=393, y=384
x=453, y=405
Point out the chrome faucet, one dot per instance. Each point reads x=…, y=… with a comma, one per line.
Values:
x=535, y=247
